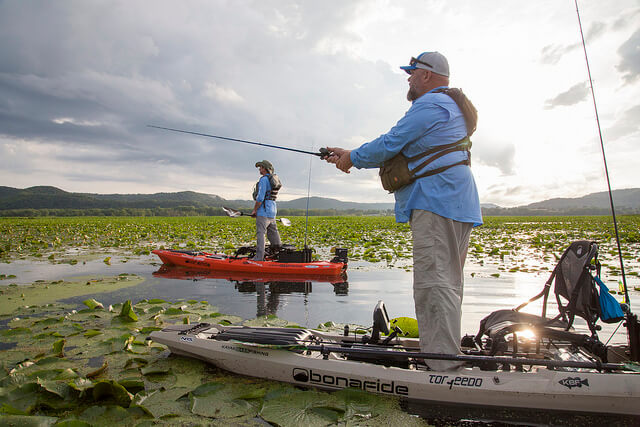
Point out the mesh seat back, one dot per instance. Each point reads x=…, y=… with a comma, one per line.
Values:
x=575, y=291
x=574, y=283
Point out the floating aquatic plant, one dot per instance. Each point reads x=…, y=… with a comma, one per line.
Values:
x=509, y=241
x=89, y=367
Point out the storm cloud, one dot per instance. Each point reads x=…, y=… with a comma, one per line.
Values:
x=577, y=93
x=630, y=63
x=81, y=81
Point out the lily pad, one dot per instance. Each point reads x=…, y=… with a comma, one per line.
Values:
x=308, y=408
x=154, y=370
x=226, y=401
x=270, y=321
x=93, y=304
x=127, y=314
x=58, y=348
x=162, y=403
x=28, y=421
x=112, y=415
x=111, y=391
x=73, y=423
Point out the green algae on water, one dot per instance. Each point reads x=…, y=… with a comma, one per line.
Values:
x=41, y=293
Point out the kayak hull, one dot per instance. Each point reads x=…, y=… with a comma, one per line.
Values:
x=546, y=389
x=184, y=273
x=221, y=262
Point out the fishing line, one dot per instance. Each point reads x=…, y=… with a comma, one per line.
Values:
x=604, y=158
x=306, y=227
x=614, y=332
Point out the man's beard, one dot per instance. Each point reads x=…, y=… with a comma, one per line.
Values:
x=411, y=95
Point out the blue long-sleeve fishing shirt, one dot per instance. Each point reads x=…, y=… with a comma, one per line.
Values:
x=434, y=119
x=268, y=207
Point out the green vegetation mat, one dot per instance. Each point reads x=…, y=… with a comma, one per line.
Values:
x=512, y=243
x=97, y=367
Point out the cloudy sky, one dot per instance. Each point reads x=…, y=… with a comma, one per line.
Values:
x=81, y=80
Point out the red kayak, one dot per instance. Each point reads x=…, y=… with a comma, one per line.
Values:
x=190, y=273
x=222, y=262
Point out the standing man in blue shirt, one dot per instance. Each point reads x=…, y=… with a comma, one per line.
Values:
x=265, y=209
x=441, y=204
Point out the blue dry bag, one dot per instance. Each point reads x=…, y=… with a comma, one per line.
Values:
x=610, y=310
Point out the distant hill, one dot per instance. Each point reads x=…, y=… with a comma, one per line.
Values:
x=46, y=200
x=626, y=201
x=628, y=198
x=188, y=202
x=326, y=203
x=43, y=197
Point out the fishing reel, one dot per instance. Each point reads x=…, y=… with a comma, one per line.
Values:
x=324, y=153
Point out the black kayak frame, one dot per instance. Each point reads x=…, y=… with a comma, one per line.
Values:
x=392, y=354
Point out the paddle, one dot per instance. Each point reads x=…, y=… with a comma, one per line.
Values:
x=235, y=213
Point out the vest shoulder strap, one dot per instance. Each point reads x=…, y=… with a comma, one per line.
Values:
x=467, y=108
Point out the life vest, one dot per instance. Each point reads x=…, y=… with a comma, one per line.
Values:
x=395, y=172
x=272, y=193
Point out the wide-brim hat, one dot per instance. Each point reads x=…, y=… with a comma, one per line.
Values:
x=432, y=61
x=265, y=164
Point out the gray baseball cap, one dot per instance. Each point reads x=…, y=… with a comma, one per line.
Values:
x=432, y=61
x=265, y=164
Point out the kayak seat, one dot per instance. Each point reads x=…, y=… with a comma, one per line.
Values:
x=272, y=336
x=270, y=251
x=575, y=294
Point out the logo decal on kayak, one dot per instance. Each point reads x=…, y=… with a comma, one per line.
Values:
x=186, y=339
x=456, y=381
x=240, y=349
x=372, y=385
x=574, y=382
x=301, y=375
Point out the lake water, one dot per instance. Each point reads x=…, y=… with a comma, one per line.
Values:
x=306, y=302
x=311, y=302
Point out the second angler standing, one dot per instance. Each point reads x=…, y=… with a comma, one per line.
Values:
x=442, y=206
x=265, y=208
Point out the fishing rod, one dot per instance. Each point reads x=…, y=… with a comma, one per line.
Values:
x=233, y=213
x=392, y=354
x=604, y=158
x=322, y=153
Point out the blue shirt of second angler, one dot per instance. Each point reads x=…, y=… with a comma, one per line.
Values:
x=268, y=207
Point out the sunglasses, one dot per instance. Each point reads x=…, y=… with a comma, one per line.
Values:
x=415, y=61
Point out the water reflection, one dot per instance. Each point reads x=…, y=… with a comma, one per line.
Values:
x=334, y=300
x=268, y=288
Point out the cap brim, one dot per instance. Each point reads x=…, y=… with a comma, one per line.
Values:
x=408, y=68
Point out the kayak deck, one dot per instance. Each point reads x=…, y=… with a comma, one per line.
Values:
x=306, y=357
x=222, y=262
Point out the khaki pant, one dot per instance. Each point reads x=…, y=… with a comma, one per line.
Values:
x=268, y=225
x=439, y=252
